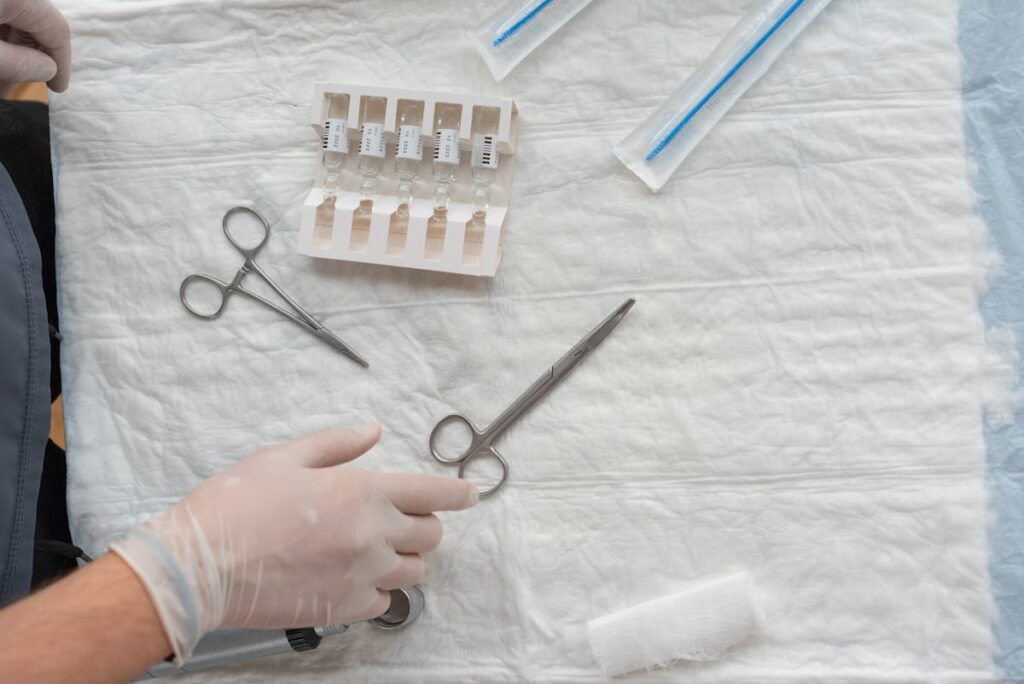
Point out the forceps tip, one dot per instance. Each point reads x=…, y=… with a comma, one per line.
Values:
x=339, y=346
x=356, y=357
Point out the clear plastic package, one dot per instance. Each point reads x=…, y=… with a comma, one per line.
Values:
x=505, y=38
x=656, y=149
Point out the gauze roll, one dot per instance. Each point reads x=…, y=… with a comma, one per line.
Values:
x=704, y=621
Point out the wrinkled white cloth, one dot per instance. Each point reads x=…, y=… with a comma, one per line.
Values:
x=796, y=391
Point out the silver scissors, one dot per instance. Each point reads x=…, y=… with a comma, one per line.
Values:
x=297, y=315
x=481, y=442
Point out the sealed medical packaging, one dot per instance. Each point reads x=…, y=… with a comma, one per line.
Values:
x=656, y=149
x=517, y=28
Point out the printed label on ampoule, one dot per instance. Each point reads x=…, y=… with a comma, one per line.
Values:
x=336, y=135
x=371, y=140
x=410, y=144
x=485, y=152
x=446, y=146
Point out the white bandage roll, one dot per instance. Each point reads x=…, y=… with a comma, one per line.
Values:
x=704, y=621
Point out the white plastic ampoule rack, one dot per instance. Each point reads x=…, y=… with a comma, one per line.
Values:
x=374, y=231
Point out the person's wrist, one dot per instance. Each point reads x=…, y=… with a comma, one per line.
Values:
x=167, y=560
x=150, y=633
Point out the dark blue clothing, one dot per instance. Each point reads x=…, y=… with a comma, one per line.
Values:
x=24, y=390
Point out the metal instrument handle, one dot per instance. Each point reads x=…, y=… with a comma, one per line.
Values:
x=474, y=443
x=248, y=252
x=490, y=452
x=188, y=282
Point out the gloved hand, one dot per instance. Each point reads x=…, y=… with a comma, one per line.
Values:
x=35, y=45
x=289, y=537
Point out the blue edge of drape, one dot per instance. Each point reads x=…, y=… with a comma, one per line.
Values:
x=992, y=43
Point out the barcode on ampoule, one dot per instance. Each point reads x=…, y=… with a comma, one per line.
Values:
x=336, y=135
x=485, y=152
x=410, y=144
x=371, y=140
x=446, y=146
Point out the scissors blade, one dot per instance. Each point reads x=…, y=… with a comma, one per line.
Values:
x=554, y=375
x=332, y=339
x=590, y=341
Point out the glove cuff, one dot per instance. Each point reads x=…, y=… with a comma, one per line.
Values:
x=171, y=586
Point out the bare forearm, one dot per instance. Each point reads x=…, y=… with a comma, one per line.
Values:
x=97, y=625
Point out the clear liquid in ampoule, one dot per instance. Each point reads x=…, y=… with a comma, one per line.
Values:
x=484, y=166
x=371, y=159
x=446, y=165
x=408, y=157
x=334, y=154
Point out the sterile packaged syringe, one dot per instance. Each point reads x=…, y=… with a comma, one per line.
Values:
x=656, y=149
x=410, y=178
x=517, y=28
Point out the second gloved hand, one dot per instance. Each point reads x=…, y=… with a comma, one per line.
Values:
x=288, y=537
x=35, y=44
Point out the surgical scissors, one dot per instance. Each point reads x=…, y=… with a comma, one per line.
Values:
x=482, y=441
x=297, y=315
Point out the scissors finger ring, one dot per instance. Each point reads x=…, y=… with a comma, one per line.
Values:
x=493, y=453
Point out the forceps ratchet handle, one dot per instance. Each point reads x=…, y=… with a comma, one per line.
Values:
x=195, y=278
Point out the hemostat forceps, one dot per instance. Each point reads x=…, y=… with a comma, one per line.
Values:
x=482, y=441
x=297, y=315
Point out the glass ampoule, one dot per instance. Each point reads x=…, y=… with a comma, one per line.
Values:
x=483, y=160
x=371, y=152
x=446, y=164
x=408, y=157
x=409, y=151
x=334, y=153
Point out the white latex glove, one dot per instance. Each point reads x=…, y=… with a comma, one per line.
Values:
x=288, y=537
x=35, y=45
